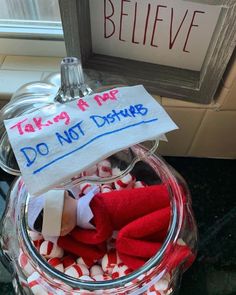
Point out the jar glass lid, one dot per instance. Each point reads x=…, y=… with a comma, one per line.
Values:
x=37, y=95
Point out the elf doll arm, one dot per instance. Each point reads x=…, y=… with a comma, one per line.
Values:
x=53, y=213
x=57, y=212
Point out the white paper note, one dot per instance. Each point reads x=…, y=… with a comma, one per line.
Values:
x=57, y=142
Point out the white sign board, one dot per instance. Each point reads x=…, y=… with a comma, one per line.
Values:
x=55, y=143
x=167, y=32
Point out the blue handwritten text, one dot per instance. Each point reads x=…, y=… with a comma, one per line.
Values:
x=72, y=134
x=31, y=153
x=115, y=116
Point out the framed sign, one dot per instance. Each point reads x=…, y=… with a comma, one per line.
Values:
x=175, y=48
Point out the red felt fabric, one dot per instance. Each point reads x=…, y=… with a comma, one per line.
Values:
x=87, y=252
x=142, y=218
x=101, y=221
x=127, y=205
x=115, y=209
x=133, y=262
x=150, y=224
x=132, y=239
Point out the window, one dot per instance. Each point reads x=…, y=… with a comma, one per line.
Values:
x=22, y=21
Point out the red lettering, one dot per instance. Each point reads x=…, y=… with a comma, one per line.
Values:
x=98, y=99
x=19, y=127
x=146, y=24
x=29, y=128
x=172, y=41
x=113, y=93
x=108, y=18
x=190, y=28
x=134, y=26
x=62, y=116
x=82, y=105
x=106, y=96
x=101, y=98
x=39, y=124
x=155, y=23
x=121, y=18
x=65, y=115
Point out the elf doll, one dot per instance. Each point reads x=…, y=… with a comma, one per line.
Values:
x=84, y=225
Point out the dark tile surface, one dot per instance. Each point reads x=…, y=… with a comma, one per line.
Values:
x=213, y=187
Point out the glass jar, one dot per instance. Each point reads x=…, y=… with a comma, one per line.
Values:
x=159, y=275
x=158, y=271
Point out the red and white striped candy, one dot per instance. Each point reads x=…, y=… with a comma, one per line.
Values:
x=85, y=188
x=87, y=263
x=104, y=169
x=115, y=171
x=90, y=171
x=109, y=261
x=35, y=286
x=160, y=286
x=96, y=270
x=139, y=184
x=50, y=250
x=25, y=264
x=136, y=281
x=76, y=177
x=86, y=278
x=153, y=293
x=125, y=182
x=77, y=270
x=35, y=236
x=120, y=270
x=38, y=243
x=83, y=292
x=56, y=263
x=103, y=277
x=167, y=292
x=23, y=282
x=67, y=262
x=106, y=188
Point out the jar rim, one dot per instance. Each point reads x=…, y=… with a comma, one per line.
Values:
x=172, y=235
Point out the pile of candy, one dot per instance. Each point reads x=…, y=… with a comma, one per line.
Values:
x=110, y=267
x=104, y=170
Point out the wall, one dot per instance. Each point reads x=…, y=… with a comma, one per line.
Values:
x=205, y=130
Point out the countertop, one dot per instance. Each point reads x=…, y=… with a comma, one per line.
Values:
x=213, y=187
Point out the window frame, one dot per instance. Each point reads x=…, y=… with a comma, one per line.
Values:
x=28, y=29
x=14, y=46
x=31, y=37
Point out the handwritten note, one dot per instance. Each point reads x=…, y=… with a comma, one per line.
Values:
x=57, y=142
